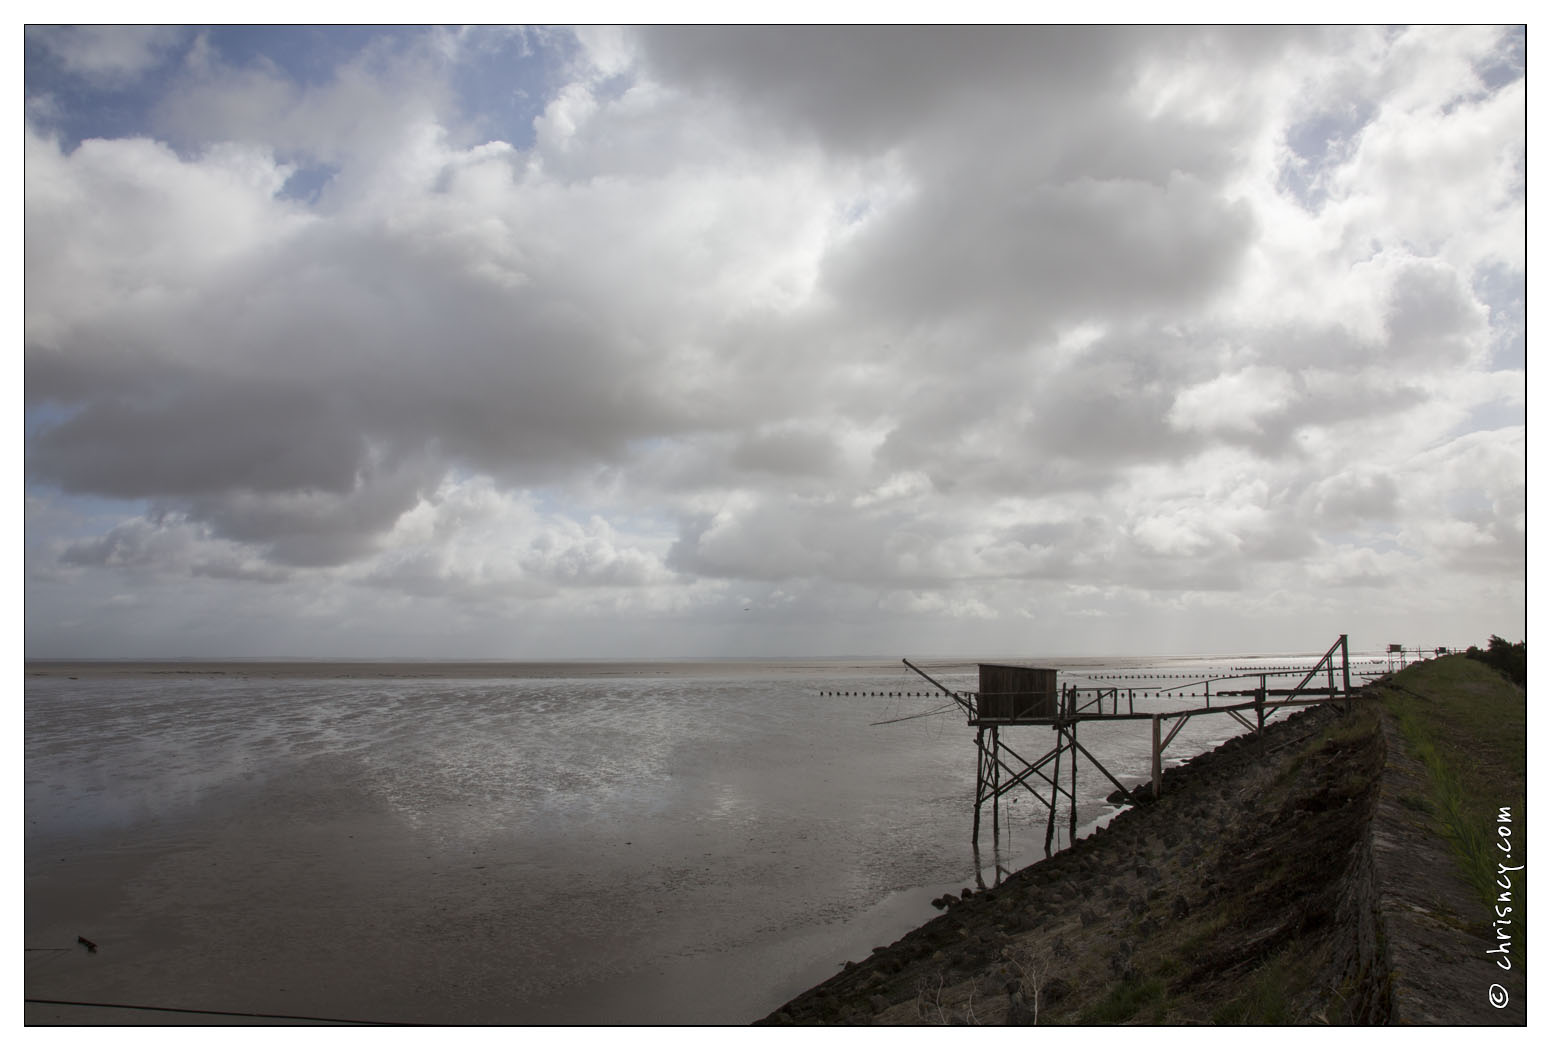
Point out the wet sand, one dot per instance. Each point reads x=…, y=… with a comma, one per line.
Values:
x=613, y=850
x=297, y=669
x=473, y=852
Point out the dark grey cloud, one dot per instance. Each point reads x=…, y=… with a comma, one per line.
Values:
x=1046, y=255
x=132, y=543
x=201, y=435
x=863, y=89
x=1045, y=192
x=1347, y=500
x=1433, y=318
x=786, y=452
x=239, y=570
x=309, y=527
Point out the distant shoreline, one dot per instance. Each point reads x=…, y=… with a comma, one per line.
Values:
x=579, y=667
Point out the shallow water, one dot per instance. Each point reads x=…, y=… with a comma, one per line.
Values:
x=651, y=844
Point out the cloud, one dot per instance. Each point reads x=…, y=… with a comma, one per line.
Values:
x=473, y=540
x=167, y=544
x=1356, y=497
x=1232, y=401
x=896, y=324
x=133, y=543
x=109, y=55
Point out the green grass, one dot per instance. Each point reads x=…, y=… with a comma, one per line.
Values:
x=1475, y=711
x=1264, y=999
x=1462, y=819
x=1353, y=729
x=1124, y=1001
x=1466, y=725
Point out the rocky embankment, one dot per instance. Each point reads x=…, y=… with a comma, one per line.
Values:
x=1247, y=893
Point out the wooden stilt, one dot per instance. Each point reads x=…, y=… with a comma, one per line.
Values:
x=1077, y=747
x=1050, y=823
x=996, y=790
x=1260, y=714
x=1346, y=678
x=980, y=780
x=1071, y=832
x=1157, y=756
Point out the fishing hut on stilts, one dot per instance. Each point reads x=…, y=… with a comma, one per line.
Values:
x=1012, y=696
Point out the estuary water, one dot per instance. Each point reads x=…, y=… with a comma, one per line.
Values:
x=587, y=843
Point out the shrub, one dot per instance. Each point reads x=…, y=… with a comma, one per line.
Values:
x=1507, y=657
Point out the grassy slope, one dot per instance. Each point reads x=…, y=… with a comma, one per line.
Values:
x=1261, y=952
x=1466, y=723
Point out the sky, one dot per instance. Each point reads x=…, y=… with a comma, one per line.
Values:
x=776, y=342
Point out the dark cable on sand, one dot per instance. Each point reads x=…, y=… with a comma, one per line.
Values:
x=226, y=1014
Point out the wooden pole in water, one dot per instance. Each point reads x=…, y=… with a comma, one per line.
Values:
x=1260, y=714
x=1346, y=678
x=1157, y=756
x=1050, y=822
x=996, y=789
x=1071, y=832
x=980, y=778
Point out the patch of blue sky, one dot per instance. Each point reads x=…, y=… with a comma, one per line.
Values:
x=552, y=504
x=502, y=78
x=1471, y=505
x=1502, y=290
x=644, y=524
x=1495, y=71
x=78, y=107
x=856, y=210
x=1494, y=416
x=505, y=78
x=307, y=55
x=1318, y=143
x=75, y=107
x=1505, y=65
x=632, y=521
x=73, y=515
x=648, y=445
x=306, y=183
x=1376, y=541
x=78, y=517
x=45, y=416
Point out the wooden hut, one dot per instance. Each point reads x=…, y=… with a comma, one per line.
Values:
x=1011, y=693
